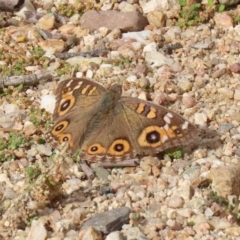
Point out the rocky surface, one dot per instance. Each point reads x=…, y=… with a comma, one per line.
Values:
x=192, y=70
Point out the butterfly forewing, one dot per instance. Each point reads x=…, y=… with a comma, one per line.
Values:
x=77, y=102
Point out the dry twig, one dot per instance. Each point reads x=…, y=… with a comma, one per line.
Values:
x=94, y=53
x=24, y=79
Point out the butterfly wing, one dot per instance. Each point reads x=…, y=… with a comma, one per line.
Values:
x=156, y=128
x=136, y=127
x=77, y=102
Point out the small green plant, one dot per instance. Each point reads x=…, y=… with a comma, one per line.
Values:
x=37, y=53
x=228, y=206
x=221, y=8
x=122, y=61
x=2, y=157
x=210, y=3
x=15, y=140
x=33, y=117
x=17, y=68
x=29, y=221
x=65, y=69
x=220, y=200
x=20, y=87
x=76, y=157
x=3, y=144
x=191, y=223
x=47, y=124
x=33, y=172
x=236, y=19
x=41, y=141
x=189, y=14
x=175, y=153
x=70, y=9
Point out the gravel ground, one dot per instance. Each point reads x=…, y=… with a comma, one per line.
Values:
x=189, y=193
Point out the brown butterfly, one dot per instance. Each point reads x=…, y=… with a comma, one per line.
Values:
x=110, y=128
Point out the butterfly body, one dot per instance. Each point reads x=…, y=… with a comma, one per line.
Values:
x=110, y=128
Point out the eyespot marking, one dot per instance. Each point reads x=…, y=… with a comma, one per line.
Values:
x=66, y=138
x=94, y=149
x=152, y=136
x=119, y=147
x=177, y=131
x=66, y=104
x=174, y=132
x=57, y=129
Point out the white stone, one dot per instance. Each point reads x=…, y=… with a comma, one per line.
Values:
x=43, y=150
x=79, y=74
x=175, y=202
x=237, y=93
x=170, y=35
x=142, y=96
x=106, y=65
x=139, y=36
x=208, y=212
x=184, y=84
x=154, y=5
x=46, y=22
x=37, y=231
x=53, y=66
x=157, y=59
x=71, y=185
x=131, y=78
x=27, y=6
x=226, y=92
x=115, y=236
x=106, y=7
x=29, y=128
x=48, y=102
x=150, y=47
x=89, y=73
x=184, y=212
x=126, y=7
x=9, y=108
x=89, y=40
x=200, y=118
x=136, y=46
x=79, y=61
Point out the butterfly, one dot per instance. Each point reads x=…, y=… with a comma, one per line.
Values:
x=108, y=127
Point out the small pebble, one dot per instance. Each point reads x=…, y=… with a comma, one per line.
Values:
x=176, y=202
x=188, y=101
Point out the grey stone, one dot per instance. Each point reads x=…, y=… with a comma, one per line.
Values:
x=237, y=152
x=225, y=127
x=101, y=173
x=109, y=221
